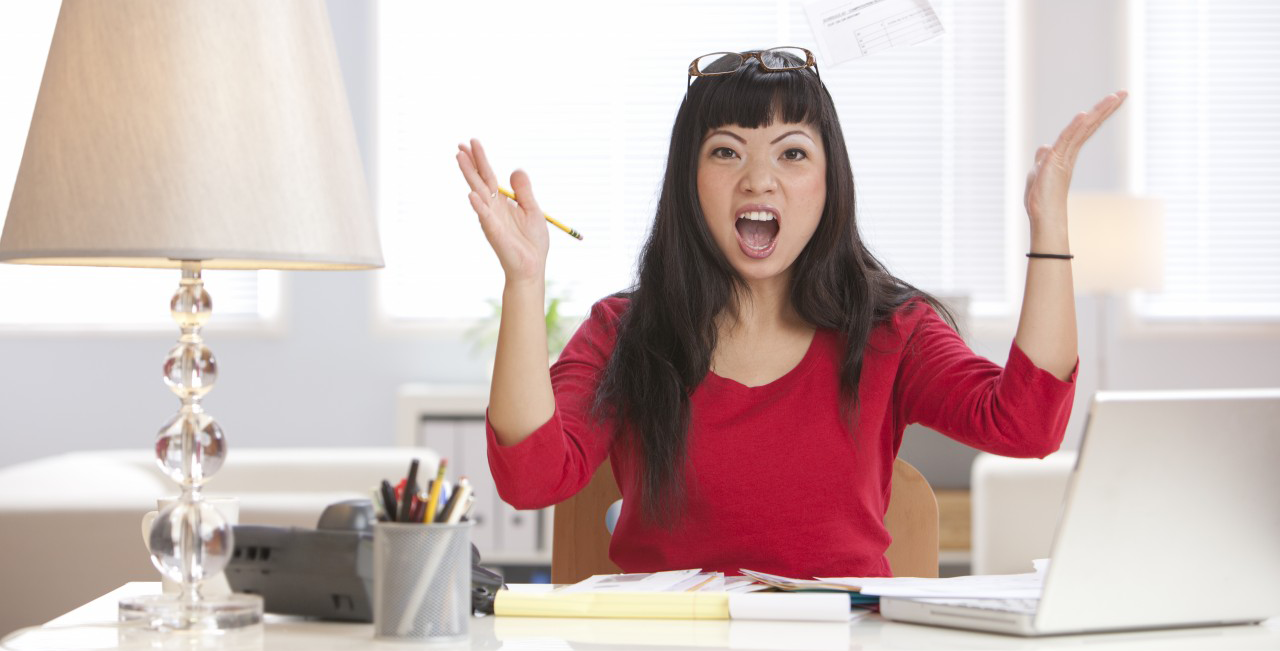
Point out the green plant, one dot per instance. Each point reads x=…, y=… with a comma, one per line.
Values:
x=484, y=335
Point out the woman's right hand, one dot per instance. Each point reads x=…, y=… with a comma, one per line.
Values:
x=517, y=230
x=520, y=398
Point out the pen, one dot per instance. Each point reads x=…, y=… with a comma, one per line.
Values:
x=466, y=508
x=430, y=514
x=511, y=195
x=389, y=500
x=410, y=489
x=446, y=492
x=418, y=508
x=453, y=509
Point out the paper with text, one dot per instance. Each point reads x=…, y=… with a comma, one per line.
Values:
x=849, y=29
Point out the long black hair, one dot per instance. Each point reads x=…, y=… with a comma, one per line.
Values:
x=668, y=333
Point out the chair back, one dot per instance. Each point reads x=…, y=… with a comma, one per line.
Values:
x=580, y=541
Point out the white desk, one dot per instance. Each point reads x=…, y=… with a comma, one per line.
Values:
x=92, y=626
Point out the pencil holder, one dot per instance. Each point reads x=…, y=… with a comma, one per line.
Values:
x=422, y=581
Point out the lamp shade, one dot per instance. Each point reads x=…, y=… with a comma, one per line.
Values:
x=1118, y=241
x=210, y=131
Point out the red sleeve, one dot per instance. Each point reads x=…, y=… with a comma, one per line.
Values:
x=560, y=457
x=1020, y=410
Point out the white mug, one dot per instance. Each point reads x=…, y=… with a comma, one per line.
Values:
x=229, y=507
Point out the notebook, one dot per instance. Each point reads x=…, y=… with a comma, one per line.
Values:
x=1171, y=518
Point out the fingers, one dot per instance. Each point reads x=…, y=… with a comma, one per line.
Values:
x=1041, y=153
x=1070, y=141
x=1085, y=124
x=1026, y=192
x=469, y=172
x=476, y=168
x=523, y=189
x=1109, y=104
x=480, y=204
x=482, y=165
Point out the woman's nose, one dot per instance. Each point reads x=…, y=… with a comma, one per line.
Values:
x=759, y=178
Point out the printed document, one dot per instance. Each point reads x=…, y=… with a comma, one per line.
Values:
x=849, y=29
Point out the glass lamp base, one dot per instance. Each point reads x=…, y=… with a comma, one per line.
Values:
x=170, y=613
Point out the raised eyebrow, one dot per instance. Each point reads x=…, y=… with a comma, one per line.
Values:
x=792, y=133
x=723, y=132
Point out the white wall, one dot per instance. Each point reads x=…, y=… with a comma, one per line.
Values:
x=328, y=376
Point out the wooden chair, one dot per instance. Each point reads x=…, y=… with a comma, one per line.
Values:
x=580, y=541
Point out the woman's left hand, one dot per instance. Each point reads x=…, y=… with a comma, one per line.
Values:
x=1050, y=175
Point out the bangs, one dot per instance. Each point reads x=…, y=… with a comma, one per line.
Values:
x=754, y=98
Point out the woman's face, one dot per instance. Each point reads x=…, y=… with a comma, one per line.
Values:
x=762, y=192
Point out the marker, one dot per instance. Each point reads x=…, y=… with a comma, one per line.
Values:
x=410, y=489
x=389, y=500
x=419, y=507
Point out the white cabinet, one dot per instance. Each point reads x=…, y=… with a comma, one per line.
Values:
x=450, y=420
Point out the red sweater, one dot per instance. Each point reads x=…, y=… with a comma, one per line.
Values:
x=774, y=482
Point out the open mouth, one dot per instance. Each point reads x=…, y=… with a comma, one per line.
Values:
x=757, y=231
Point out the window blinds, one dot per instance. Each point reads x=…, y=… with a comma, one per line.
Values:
x=1210, y=147
x=583, y=95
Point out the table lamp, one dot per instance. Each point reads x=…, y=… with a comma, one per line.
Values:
x=1118, y=241
x=192, y=135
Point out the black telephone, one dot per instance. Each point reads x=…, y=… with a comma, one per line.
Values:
x=326, y=572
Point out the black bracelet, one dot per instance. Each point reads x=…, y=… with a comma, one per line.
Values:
x=1052, y=256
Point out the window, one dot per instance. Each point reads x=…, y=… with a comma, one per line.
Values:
x=1209, y=145
x=36, y=296
x=586, y=107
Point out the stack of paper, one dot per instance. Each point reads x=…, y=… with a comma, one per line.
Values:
x=693, y=594
x=994, y=586
x=682, y=594
x=788, y=583
x=671, y=581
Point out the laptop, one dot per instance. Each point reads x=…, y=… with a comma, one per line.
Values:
x=1171, y=519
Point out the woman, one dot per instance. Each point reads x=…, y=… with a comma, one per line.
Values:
x=752, y=389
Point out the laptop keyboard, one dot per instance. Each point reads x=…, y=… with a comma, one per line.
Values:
x=1020, y=606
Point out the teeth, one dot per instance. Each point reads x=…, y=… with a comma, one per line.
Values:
x=759, y=216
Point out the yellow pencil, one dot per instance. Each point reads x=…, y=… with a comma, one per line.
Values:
x=511, y=195
x=430, y=514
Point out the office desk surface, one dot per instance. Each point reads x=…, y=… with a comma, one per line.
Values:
x=92, y=627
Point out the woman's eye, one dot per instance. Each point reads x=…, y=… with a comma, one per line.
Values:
x=794, y=154
x=723, y=152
